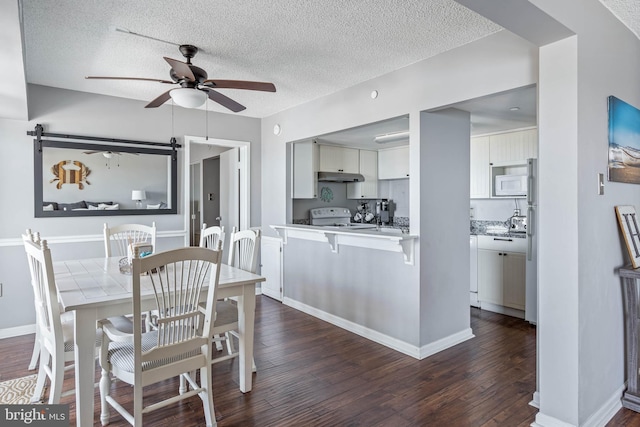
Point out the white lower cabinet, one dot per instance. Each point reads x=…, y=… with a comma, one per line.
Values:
x=502, y=272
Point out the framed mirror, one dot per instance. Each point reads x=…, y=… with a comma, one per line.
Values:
x=87, y=179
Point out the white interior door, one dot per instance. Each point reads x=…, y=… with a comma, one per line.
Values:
x=229, y=192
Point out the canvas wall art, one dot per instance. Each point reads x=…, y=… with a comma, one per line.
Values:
x=624, y=142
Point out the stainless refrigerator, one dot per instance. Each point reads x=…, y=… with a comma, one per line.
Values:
x=531, y=289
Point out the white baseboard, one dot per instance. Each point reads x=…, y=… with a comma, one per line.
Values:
x=535, y=401
x=599, y=418
x=375, y=336
x=608, y=410
x=445, y=343
x=17, y=331
x=508, y=311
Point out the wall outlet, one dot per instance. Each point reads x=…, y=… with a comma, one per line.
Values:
x=471, y=213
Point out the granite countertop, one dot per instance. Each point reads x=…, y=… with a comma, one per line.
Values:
x=513, y=235
x=493, y=228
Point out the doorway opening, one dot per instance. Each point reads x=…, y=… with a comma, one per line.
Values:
x=232, y=198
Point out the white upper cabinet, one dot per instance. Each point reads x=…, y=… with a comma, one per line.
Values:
x=480, y=168
x=369, y=169
x=514, y=146
x=304, y=181
x=393, y=163
x=339, y=159
x=499, y=151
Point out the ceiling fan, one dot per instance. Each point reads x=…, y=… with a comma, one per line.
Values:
x=107, y=154
x=195, y=87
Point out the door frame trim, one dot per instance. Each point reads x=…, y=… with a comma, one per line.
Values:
x=244, y=166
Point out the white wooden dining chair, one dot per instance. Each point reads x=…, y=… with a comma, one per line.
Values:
x=181, y=341
x=243, y=254
x=118, y=237
x=116, y=243
x=209, y=236
x=55, y=329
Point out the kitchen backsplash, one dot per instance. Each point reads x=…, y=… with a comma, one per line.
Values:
x=335, y=195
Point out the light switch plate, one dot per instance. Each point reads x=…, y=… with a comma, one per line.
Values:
x=600, y=184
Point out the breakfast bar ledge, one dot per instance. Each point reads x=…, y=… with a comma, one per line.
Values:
x=372, y=238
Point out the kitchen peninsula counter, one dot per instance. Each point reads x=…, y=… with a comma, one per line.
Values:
x=385, y=238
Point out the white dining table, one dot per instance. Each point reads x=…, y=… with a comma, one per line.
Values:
x=95, y=289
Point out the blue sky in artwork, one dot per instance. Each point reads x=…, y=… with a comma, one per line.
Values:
x=624, y=123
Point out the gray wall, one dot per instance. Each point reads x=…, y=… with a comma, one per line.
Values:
x=493, y=64
x=64, y=111
x=444, y=223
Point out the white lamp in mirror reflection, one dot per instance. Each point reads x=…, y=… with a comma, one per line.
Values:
x=188, y=97
x=138, y=196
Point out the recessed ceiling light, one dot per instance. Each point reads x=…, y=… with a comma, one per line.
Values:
x=514, y=109
x=277, y=129
x=374, y=94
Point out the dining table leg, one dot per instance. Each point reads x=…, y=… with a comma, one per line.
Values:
x=246, y=319
x=85, y=338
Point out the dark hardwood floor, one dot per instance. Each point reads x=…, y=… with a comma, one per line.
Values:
x=311, y=373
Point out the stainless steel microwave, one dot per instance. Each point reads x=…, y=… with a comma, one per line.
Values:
x=510, y=185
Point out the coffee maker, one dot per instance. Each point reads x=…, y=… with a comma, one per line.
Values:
x=384, y=212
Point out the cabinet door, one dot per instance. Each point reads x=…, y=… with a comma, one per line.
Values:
x=480, y=170
x=369, y=169
x=339, y=159
x=305, y=167
x=393, y=163
x=271, y=266
x=514, y=146
x=514, y=279
x=490, y=276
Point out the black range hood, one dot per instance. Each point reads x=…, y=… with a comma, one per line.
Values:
x=339, y=177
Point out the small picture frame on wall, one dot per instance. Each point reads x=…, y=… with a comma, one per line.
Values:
x=628, y=222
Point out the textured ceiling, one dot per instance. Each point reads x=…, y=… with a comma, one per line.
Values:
x=307, y=49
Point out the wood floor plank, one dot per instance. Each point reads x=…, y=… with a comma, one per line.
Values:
x=311, y=373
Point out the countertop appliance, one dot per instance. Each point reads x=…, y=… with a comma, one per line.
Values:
x=531, y=289
x=518, y=224
x=334, y=217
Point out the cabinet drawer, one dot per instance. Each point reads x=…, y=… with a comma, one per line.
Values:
x=503, y=243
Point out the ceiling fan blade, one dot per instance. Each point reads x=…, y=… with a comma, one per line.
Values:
x=130, y=78
x=181, y=69
x=159, y=100
x=91, y=152
x=240, y=84
x=225, y=101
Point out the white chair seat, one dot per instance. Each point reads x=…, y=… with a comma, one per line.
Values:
x=121, y=354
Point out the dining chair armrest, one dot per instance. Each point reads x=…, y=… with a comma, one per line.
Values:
x=114, y=334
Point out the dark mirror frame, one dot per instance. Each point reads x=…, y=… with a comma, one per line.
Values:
x=170, y=149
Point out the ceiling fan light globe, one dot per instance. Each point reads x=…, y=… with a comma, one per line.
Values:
x=108, y=154
x=188, y=97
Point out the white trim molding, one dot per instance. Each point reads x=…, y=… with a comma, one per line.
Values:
x=18, y=331
x=375, y=336
x=86, y=238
